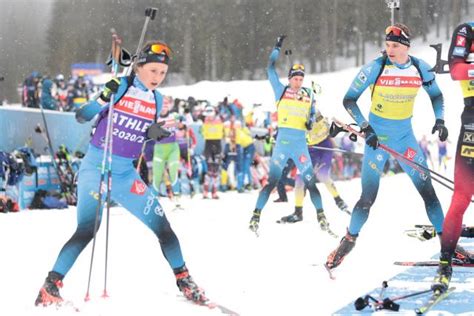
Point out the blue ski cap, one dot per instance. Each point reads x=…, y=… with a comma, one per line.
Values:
x=155, y=52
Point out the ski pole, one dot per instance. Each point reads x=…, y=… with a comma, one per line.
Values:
x=338, y=150
x=419, y=167
x=150, y=14
x=288, y=53
x=386, y=303
x=107, y=156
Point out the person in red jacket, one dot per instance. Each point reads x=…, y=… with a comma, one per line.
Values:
x=461, y=68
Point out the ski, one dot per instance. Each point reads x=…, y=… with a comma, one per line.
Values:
x=281, y=221
x=63, y=305
x=331, y=233
x=221, y=308
x=70, y=305
x=435, y=298
x=213, y=305
x=432, y=263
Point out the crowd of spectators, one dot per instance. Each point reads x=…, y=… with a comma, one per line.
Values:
x=56, y=93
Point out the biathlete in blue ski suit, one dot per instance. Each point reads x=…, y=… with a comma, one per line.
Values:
x=136, y=108
x=395, y=79
x=296, y=114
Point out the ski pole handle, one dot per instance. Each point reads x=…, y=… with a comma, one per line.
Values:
x=151, y=12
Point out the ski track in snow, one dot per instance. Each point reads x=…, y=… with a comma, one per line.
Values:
x=274, y=274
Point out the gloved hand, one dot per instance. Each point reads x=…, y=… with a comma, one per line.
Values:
x=371, y=138
x=280, y=40
x=309, y=125
x=157, y=132
x=442, y=130
x=111, y=87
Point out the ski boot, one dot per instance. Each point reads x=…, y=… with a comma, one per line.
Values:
x=215, y=196
x=336, y=256
x=441, y=280
x=342, y=205
x=323, y=222
x=297, y=216
x=49, y=293
x=188, y=287
x=280, y=200
x=255, y=220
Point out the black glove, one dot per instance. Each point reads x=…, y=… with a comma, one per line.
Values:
x=309, y=125
x=157, y=132
x=111, y=87
x=442, y=130
x=371, y=138
x=279, y=41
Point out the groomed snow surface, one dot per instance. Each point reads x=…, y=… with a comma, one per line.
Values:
x=278, y=273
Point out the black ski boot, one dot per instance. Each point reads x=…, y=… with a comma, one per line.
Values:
x=441, y=281
x=342, y=205
x=297, y=216
x=188, y=287
x=255, y=220
x=49, y=293
x=336, y=256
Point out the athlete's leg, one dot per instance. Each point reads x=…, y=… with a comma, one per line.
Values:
x=303, y=163
x=409, y=148
x=142, y=202
x=239, y=161
x=277, y=162
x=87, y=189
x=299, y=191
x=372, y=168
x=249, y=153
x=463, y=187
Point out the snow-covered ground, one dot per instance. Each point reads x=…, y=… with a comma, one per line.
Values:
x=278, y=273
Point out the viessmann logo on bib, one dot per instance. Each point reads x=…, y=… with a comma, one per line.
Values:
x=136, y=107
x=405, y=82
